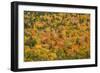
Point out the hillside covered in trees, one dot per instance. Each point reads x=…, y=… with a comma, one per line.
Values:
x=56, y=36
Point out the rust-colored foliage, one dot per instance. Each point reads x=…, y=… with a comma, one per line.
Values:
x=56, y=36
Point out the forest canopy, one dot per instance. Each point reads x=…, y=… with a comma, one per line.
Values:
x=56, y=36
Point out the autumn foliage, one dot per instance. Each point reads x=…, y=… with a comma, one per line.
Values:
x=56, y=36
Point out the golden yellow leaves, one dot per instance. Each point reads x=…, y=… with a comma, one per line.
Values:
x=38, y=46
x=41, y=54
x=52, y=56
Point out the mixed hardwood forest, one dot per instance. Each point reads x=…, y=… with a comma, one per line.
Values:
x=56, y=36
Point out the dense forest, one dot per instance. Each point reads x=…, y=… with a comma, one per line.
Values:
x=56, y=36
